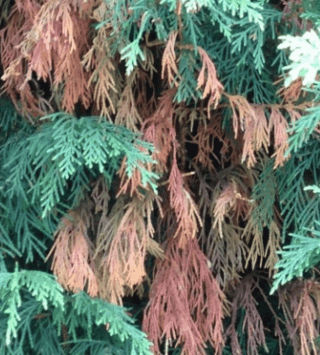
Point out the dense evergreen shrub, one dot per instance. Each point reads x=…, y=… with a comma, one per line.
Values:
x=159, y=177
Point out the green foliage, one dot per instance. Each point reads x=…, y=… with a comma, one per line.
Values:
x=48, y=169
x=41, y=286
x=45, y=170
x=187, y=88
x=49, y=166
x=301, y=211
x=299, y=256
x=299, y=201
x=299, y=208
x=5, y=6
x=303, y=128
x=34, y=309
x=234, y=33
x=96, y=312
x=311, y=11
x=299, y=179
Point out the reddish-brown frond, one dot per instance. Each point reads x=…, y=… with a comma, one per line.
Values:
x=20, y=22
x=206, y=300
x=300, y=303
x=252, y=322
x=255, y=134
x=233, y=188
x=184, y=207
x=205, y=138
x=208, y=81
x=306, y=317
x=132, y=185
x=127, y=113
x=125, y=237
x=144, y=92
x=292, y=92
x=254, y=125
x=72, y=254
x=225, y=199
x=278, y=125
x=100, y=196
x=242, y=112
x=159, y=130
x=53, y=38
x=223, y=204
x=185, y=301
x=104, y=78
x=169, y=59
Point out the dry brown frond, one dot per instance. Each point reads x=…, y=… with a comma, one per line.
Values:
x=125, y=237
x=72, y=254
x=184, y=207
x=223, y=204
x=185, y=301
x=293, y=92
x=278, y=125
x=127, y=113
x=208, y=81
x=20, y=22
x=159, y=130
x=54, y=39
x=252, y=323
x=169, y=59
x=255, y=135
x=207, y=132
x=106, y=82
x=145, y=94
x=301, y=306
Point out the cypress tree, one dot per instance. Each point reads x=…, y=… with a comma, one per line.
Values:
x=159, y=179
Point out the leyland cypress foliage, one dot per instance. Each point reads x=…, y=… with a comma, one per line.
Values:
x=162, y=155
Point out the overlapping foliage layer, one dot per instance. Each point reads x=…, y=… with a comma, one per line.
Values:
x=163, y=155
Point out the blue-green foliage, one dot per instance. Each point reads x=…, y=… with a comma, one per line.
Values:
x=234, y=33
x=34, y=310
x=298, y=180
x=303, y=128
x=43, y=171
x=300, y=209
x=298, y=183
x=186, y=90
x=41, y=286
x=5, y=9
x=300, y=255
x=47, y=170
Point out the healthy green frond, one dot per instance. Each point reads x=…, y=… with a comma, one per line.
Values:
x=42, y=286
x=303, y=128
x=302, y=254
x=49, y=158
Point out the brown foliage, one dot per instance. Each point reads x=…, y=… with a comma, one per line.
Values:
x=204, y=213
x=252, y=321
x=208, y=80
x=300, y=303
x=169, y=59
x=72, y=254
x=186, y=303
x=52, y=49
x=123, y=240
